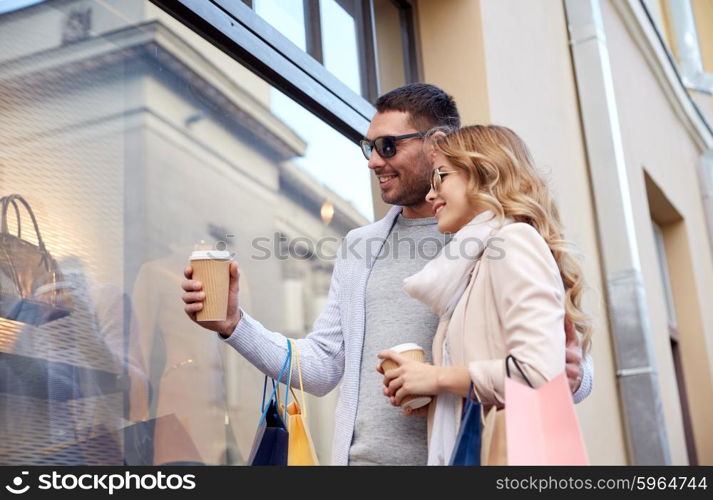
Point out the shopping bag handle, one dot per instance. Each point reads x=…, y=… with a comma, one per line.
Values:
x=471, y=399
x=303, y=402
x=517, y=365
x=288, y=361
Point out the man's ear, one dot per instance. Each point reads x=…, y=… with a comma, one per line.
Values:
x=428, y=145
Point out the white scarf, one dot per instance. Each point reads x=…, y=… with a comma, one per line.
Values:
x=440, y=285
x=441, y=282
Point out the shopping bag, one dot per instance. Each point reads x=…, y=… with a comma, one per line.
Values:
x=493, y=448
x=270, y=446
x=271, y=439
x=301, y=448
x=467, y=448
x=541, y=424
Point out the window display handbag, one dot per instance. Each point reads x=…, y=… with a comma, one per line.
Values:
x=270, y=446
x=31, y=287
x=301, y=448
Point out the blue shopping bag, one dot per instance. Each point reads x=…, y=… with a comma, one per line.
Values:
x=270, y=445
x=467, y=448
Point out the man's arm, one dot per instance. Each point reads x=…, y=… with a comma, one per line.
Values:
x=585, y=386
x=321, y=352
x=580, y=373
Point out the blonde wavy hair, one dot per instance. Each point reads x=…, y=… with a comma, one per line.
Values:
x=502, y=178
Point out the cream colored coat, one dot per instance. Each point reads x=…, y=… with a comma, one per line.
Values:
x=513, y=304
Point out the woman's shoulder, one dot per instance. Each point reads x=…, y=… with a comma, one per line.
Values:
x=520, y=235
x=518, y=244
x=519, y=257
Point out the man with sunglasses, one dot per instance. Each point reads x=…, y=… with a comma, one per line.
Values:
x=367, y=310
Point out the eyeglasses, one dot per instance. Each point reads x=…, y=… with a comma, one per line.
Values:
x=438, y=176
x=386, y=145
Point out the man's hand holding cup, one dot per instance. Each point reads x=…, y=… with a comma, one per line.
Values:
x=211, y=292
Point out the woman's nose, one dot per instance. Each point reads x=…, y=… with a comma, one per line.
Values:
x=431, y=196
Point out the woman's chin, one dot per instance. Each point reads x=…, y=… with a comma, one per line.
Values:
x=444, y=227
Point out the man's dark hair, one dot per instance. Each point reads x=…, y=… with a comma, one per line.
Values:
x=428, y=105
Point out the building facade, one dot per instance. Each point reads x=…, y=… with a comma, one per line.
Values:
x=136, y=129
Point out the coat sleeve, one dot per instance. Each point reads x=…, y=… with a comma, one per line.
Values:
x=321, y=352
x=529, y=298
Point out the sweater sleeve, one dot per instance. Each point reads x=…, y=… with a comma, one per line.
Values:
x=585, y=386
x=321, y=352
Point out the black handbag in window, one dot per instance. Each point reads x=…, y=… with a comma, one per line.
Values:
x=31, y=287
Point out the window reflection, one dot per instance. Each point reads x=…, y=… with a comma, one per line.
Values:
x=131, y=138
x=339, y=40
x=287, y=16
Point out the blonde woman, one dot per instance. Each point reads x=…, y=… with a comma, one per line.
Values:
x=504, y=285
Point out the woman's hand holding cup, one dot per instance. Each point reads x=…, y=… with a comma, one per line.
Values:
x=408, y=379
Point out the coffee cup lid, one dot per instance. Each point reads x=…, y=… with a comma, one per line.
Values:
x=409, y=346
x=210, y=255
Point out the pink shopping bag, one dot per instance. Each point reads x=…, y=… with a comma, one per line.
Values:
x=541, y=425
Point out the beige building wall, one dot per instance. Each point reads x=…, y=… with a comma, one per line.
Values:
x=703, y=10
x=656, y=141
x=453, y=54
x=536, y=96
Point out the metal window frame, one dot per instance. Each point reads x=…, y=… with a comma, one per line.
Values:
x=366, y=41
x=246, y=37
x=313, y=29
x=412, y=67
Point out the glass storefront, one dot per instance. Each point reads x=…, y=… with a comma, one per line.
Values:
x=131, y=139
x=287, y=16
x=340, y=40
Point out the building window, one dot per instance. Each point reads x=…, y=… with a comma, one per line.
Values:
x=674, y=339
x=689, y=32
x=369, y=45
x=287, y=16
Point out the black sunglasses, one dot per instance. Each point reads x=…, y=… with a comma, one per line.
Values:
x=386, y=145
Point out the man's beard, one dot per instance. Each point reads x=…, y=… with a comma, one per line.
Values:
x=413, y=193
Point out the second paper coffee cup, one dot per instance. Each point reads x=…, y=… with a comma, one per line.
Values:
x=415, y=352
x=212, y=268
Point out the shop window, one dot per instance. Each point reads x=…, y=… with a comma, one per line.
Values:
x=132, y=139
